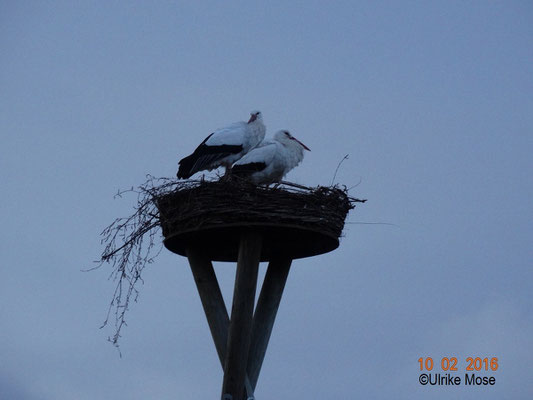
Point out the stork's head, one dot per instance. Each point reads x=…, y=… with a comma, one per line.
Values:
x=286, y=137
x=255, y=115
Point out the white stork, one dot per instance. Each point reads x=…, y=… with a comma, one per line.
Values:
x=272, y=159
x=224, y=146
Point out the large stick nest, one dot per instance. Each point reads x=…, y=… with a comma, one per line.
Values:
x=293, y=219
x=198, y=204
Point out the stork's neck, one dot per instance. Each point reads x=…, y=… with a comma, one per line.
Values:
x=294, y=153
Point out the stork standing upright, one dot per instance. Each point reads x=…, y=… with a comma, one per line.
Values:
x=224, y=146
x=272, y=159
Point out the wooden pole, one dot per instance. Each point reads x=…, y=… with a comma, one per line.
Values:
x=241, y=316
x=213, y=303
x=265, y=314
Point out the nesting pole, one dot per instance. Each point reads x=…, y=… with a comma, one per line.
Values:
x=239, y=222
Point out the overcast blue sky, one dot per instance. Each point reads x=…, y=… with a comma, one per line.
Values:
x=433, y=102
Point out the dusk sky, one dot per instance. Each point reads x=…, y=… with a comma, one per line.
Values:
x=433, y=103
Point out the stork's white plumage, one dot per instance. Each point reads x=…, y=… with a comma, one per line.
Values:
x=224, y=146
x=272, y=159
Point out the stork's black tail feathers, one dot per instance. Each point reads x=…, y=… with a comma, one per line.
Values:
x=185, y=166
x=205, y=157
x=247, y=169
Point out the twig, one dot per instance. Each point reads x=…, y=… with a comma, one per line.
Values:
x=337, y=169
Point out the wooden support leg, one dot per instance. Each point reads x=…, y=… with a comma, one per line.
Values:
x=241, y=317
x=265, y=314
x=213, y=303
x=212, y=300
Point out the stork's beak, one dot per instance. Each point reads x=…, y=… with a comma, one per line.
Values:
x=303, y=145
x=253, y=117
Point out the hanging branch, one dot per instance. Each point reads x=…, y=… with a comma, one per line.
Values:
x=129, y=247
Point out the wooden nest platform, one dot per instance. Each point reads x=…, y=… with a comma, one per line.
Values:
x=294, y=221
